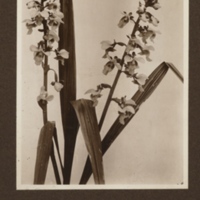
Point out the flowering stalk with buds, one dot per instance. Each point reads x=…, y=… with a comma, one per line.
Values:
x=46, y=18
x=136, y=51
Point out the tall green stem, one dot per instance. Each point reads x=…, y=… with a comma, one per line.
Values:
x=116, y=80
x=45, y=72
x=45, y=83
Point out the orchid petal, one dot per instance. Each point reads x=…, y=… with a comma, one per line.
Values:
x=42, y=89
x=143, y=17
x=156, y=6
x=146, y=53
x=148, y=58
x=63, y=53
x=47, y=53
x=119, y=67
x=58, y=19
x=141, y=79
x=38, y=62
x=54, y=35
x=106, y=44
x=106, y=70
x=129, y=109
x=128, y=58
x=34, y=12
x=39, y=98
x=39, y=58
x=123, y=21
x=137, y=41
x=30, y=30
x=149, y=48
x=108, y=67
x=130, y=102
x=95, y=101
x=140, y=88
x=90, y=91
x=154, y=21
x=129, y=48
x=122, y=118
x=27, y=21
x=62, y=62
x=97, y=93
x=30, y=4
x=49, y=98
x=44, y=14
x=58, y=86
x=131, y=69
x=59, y=14
x=33, y=48
x=139, y=59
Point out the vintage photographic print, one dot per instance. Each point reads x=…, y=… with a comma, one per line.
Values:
x=102, y=94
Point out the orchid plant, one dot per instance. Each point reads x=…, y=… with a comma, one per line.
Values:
x=46, y=17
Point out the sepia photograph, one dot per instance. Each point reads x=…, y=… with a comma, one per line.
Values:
x=102, y=94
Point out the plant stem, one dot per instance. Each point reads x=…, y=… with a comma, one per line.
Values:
x=45, y=118
x=116, y=80
x=45, y=74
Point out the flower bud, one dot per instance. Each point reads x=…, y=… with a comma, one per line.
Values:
x=58, y=86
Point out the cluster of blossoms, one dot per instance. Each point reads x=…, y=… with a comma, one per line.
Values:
x=46, y=17
x=136, y=51
x=44, y=11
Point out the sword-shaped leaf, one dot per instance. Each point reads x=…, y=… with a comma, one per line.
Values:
x=55, y=166
x=139, y=97
x=89, y=126
x=55, y=137
x=44, y=151
x=67, y=73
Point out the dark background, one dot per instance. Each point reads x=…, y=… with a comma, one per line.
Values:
x=8, y=123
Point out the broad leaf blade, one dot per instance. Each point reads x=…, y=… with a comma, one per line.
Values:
x=89, y=126
x=139, y=97
x=67, y=73
x=44, y=151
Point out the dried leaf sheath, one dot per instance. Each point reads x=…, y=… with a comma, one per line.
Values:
x=67, y=73
x=44, y=150
x=89, y=126
x=153, y=81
